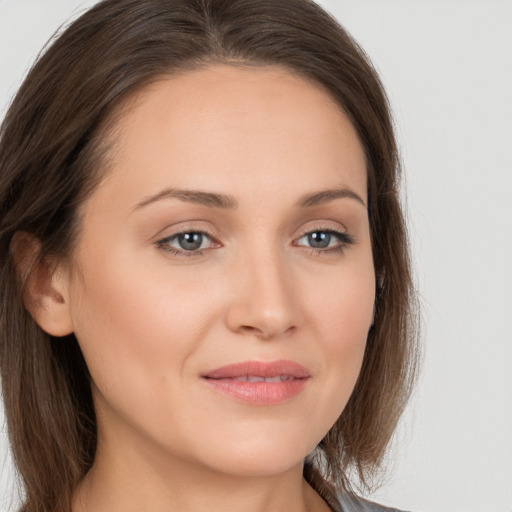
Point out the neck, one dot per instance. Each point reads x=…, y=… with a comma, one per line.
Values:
x=134, y=479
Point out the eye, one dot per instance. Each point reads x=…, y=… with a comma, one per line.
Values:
x=325, y=240
x=192, y=242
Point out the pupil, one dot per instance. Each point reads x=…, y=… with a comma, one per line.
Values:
x=190, y=241
x=319, y=239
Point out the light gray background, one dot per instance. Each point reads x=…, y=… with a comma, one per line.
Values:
x=447, y=66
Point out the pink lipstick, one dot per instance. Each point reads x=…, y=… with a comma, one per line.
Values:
x=258, y=382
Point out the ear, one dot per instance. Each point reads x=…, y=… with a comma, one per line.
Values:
x=45, y=285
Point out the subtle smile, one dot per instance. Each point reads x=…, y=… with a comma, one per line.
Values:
x=257, y=382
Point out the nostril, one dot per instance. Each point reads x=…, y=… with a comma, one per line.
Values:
x=249, y=329
x=266, y=333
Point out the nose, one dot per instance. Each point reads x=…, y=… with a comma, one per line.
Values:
x=263, y=303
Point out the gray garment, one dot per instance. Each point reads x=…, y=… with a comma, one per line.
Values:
x=340, y=502
x=348, y=502
x=351, y=503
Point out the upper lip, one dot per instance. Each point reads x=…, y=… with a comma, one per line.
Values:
x=259, y=369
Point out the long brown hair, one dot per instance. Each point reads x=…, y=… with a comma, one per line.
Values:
x=53, y=151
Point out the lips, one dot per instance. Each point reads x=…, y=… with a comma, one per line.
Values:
x=259, y=382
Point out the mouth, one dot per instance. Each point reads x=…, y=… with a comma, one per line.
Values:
x=258, y=382
x=259, y=378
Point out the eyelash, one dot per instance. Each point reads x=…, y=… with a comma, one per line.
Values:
x=163, y=244
x=345, y=240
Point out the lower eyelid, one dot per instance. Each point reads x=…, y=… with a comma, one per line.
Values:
x=183, y=254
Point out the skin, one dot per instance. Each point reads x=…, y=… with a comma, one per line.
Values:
x=150, y=322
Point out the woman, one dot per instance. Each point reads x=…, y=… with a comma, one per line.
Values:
x=207, y=299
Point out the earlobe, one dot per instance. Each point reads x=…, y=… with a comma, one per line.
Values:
x=45, y=285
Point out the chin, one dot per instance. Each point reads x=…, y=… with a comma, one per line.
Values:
x=257, y=465
x=258, y=456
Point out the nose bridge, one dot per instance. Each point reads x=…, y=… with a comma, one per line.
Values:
x=264, y=303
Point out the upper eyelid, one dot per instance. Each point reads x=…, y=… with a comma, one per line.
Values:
x=322, y=228
x=330, y=229
x=215, y=237
x=185, y=229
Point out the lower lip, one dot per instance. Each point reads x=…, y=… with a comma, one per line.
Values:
x=261, y=393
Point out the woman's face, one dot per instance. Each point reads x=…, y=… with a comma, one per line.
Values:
x=231, y=229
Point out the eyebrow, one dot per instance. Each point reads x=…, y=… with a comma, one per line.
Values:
x=213, y=200
x=192, y=196
x=324, y=196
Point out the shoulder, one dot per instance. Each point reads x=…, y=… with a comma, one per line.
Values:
x=352, y=503
x=341, y=501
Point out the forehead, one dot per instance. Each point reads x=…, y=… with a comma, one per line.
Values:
x=224, y=126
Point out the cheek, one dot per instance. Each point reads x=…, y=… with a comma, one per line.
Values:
x=342, y=313
x=136, y=329
x=342, y=302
